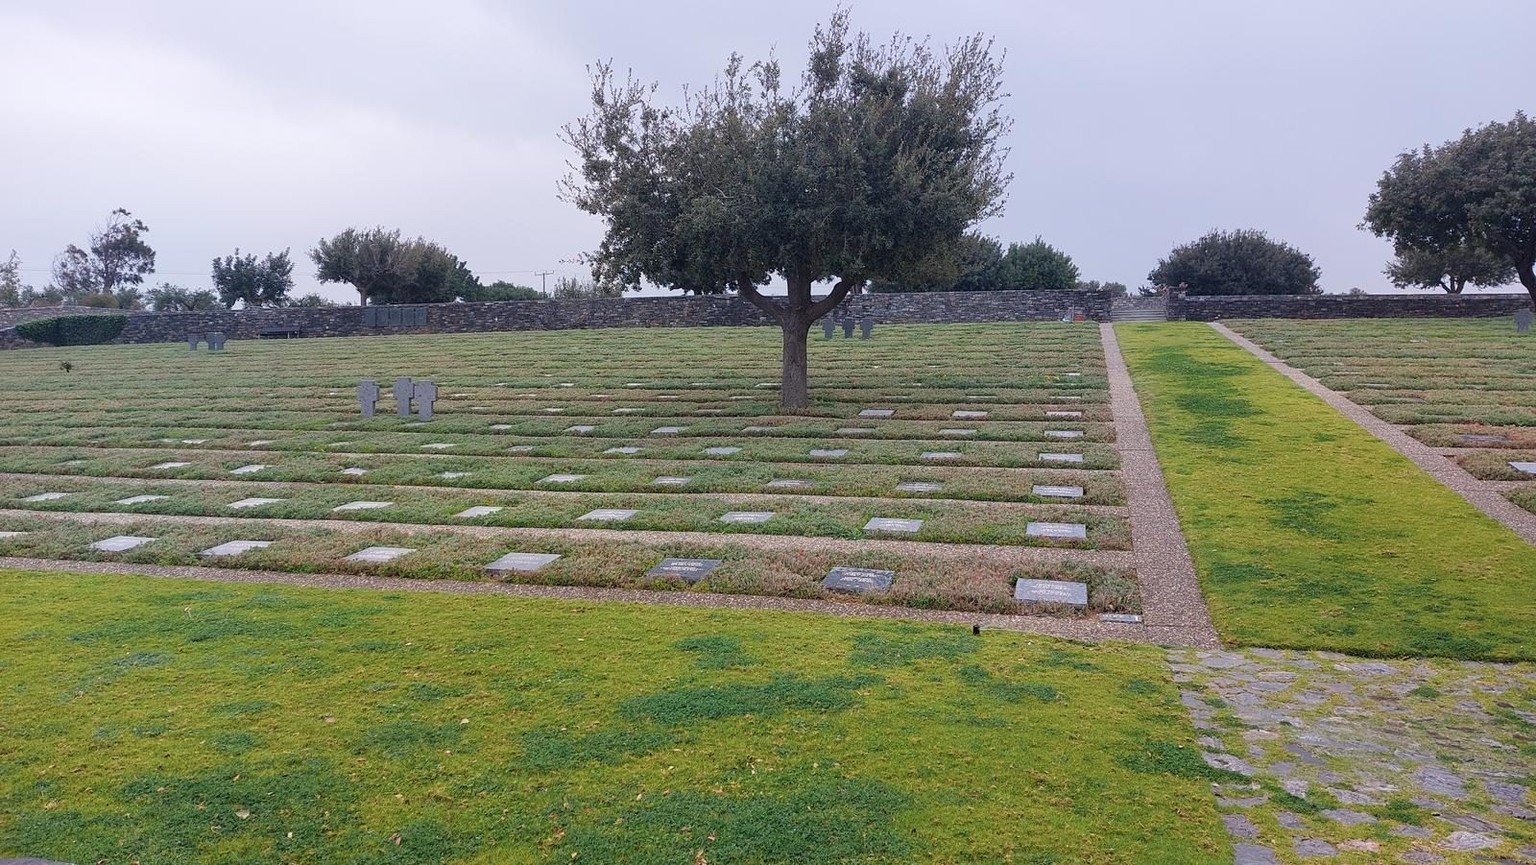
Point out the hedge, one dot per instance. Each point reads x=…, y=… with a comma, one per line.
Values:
x=73, y=329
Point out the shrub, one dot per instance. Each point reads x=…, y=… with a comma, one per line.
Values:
x=73, y=329
x=1238, y=262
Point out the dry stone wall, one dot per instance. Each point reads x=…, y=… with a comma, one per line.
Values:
x=1424, y=305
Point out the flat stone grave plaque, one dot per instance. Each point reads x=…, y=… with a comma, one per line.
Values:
x=378, y=555
x=1073, y=374
x=757, y=429
x=566, y=384
x=120, y=543
x=667, y=430
x=452, y=476
x=1482, y=439
x=877, y=412
x=260, y=443
x=628, y=410
x=829, y=453
x=858, y=581
x=340, y=444
x=520, y=449
x=1057, y=592
x=888, y=524
x=666, y=396
x=963, y=413
x=193, y=441
x=980, y=397
x=477, y=511
x=608, y=515
x=768, y=384
x=439, y=446
x=1061, y=531
x=554, y=410
x=235, y=548
x=354, y=471
x=45, y=497
x=622, y=450
x=523, y=562
x=602, y=396
x=855, y=431
x=5, y=535
x=1055, y=492
x=957, y=432
x=742, y=517
x=171, y=465
x=689, y=571
x=942, y=455
x=789, y=484
x=501, y=426
x=1060, y=398
x=919, y=487
x=634, y=384
x=1527, y=467
x=708, y=411
x=252, y=503
x=670, y=481
x=139, y=500
x=580, y=429
x=741, y=398
x=1063, y=434
x=1061, y=458
x=247, y=470
x=362, y=506
x=1072, y=414
x=560, y=479
x=722, y=451
x=1120, y=618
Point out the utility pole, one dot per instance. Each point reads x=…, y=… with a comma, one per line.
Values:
x=543, y=276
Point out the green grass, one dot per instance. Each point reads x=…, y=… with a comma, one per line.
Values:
x=168, y=721
x=1306, y=531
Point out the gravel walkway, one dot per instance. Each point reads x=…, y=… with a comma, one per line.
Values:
x=1374, y=761
x=1170, y=593
x=1065, y=628
x=1486, y=496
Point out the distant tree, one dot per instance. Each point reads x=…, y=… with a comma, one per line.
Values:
x=375, y=262
x=1034, y=265
x=432, y=276
x=571, y=287
x=968, y=264
x=462, y=282
x=1477, y=192
x=881, y=156
x=10, y=280
x=1117, y=289
x=256, y=281
x=48, y=295
x=1450, y=269
x=500, y=290
x=311, y=300
x=115, y=258
x=129, y=297
x=175, y=298
x=1238, y=262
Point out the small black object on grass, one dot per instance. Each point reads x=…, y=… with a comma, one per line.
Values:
x=976, y=630
x=66, y=366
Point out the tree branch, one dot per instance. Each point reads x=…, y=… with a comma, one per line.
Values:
x=746, y=289
x=833, y=298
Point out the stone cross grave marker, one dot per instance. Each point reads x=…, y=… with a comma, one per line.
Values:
x=1523, y=320
x=403, y=391
x=858, y=581
x=216, y=341
x=192, y=340
x=847, y=328
x=866, y=327
x=828, y=327
x=689, y=571
x=368, y=396
x=425, y=393
x=1054, y=592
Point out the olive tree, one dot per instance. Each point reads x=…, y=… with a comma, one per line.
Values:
x=1478, y=192
x=116, y=258
x=880, y=156
x=1245, y=261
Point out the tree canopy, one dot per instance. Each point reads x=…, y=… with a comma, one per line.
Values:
x=174, y=298
x=1244, y=261
x=256, y=281
x=1474, y=194
x=882, y=155
x=116, y=257
x=1035, y=265
x=387, y=268
x=1451, y=268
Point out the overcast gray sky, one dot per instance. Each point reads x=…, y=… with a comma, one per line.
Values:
x=1138, y=125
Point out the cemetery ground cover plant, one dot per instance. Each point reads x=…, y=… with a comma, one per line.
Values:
x=1463, y=384
x=489, y=729
x=991, y=434
x=1306, y=531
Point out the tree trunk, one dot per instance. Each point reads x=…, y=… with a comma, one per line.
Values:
x=794, y=387
x=1527, y=271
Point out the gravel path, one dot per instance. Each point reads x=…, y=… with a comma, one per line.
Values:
x=1486, y=496
x=1170, y=593
x=1066, y=628
x=1379, y=761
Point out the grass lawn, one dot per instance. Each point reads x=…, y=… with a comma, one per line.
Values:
x=1306, y=531
x=177, y=721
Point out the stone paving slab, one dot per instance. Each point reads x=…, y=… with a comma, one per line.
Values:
x=1328, y=755
x=1478, y=493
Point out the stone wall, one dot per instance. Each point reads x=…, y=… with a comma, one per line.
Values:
x=1424, y=305
x=10, y=317
x=918, y=308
